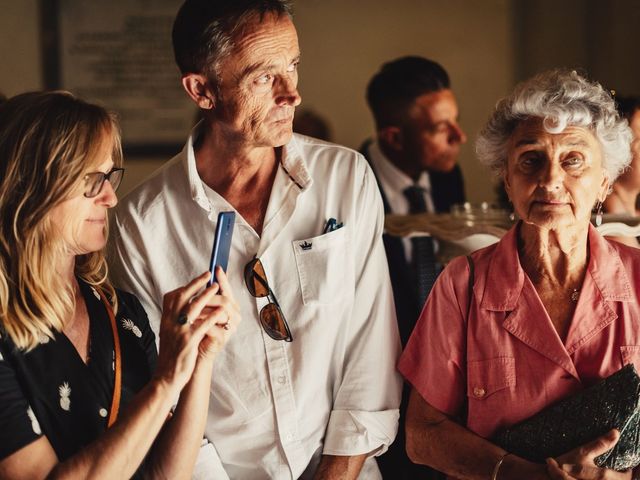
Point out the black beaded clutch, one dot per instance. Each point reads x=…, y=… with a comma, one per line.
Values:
x=611, y=403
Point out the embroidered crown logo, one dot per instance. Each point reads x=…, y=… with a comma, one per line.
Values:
x=65, y=392
x=306, y=246
x=129, y=325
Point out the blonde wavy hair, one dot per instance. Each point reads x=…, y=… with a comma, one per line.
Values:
x=49, y=141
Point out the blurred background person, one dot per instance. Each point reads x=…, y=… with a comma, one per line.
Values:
x=624, y=194
x=310, y=123
x=83, y=393
x=538, y=323
x=414, y=158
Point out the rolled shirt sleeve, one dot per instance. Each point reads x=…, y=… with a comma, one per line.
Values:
x=365, y=412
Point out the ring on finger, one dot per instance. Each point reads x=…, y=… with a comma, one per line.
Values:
x=225, y=324
x=182, y=319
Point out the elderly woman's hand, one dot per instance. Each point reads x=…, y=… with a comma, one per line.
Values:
x=193, y=325
x=579, y=464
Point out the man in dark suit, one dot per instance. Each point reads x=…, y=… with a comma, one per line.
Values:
x=414, y=157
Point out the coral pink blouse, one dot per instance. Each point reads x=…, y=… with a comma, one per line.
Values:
x=505, y=362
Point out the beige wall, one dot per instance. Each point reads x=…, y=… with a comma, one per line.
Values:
x=19, y=47
x=344, y=43
x=485, y=45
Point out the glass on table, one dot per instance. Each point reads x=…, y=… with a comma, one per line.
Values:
x=481, y=213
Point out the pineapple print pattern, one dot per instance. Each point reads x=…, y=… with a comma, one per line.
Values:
x=35, y=425
x=129, y=325
x=95, y=293
x=65, y=392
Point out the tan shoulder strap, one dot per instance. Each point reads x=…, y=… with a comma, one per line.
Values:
x=117, y=384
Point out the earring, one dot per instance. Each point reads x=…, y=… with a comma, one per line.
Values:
x=206, y=104
x=598, y=220
x=512, y=213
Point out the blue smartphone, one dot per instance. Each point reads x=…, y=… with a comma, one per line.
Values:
x=221, y=243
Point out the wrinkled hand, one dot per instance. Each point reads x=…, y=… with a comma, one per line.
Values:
x=578, y=463
x=225, y=312
x=179, y=343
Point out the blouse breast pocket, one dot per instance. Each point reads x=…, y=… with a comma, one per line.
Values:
x=487, y=377
x=631, y=354
x=323, y=267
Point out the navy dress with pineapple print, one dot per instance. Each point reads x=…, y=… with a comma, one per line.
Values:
x=51, y=391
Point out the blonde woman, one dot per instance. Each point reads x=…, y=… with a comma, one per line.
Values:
x=83, y=393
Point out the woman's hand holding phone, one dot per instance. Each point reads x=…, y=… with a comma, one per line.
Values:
x=226, y=312
x=196, y=323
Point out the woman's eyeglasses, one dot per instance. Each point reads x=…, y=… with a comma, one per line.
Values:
x=271, y=316
x=95, y=181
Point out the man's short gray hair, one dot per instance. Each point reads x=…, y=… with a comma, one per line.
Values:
x=204, y=30
x=560, y=98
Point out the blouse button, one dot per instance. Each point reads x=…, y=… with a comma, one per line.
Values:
x=479, y=392
x=103, y=412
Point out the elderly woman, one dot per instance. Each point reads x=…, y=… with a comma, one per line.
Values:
x=553, y=307
x=83, y=393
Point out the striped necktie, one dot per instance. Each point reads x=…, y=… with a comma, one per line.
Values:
x=423, y=259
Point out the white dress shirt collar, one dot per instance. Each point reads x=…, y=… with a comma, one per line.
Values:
x=292, y=164
x=394, y=181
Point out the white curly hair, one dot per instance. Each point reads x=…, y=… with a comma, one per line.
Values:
x=560, y=98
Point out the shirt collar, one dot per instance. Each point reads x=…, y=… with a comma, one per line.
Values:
x=394, y=181
x=505, y=276
x=292, y=163
x=196, y=187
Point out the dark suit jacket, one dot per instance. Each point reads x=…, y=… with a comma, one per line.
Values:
x=446, y=189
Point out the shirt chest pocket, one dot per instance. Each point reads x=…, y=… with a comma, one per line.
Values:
x=323, y=267
x=487, y=377
x=631, y=354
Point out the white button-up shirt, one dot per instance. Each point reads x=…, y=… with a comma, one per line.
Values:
x=277, y=406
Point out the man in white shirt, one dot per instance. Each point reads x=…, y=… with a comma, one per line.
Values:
x=414, y=157
x=307, y=388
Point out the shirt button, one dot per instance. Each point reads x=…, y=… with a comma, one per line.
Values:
x=282, y=379
x=290, y=436
x=103, y=412
x=479, y=392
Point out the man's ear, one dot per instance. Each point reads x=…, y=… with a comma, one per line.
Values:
x=197, y=87
x=391, y=137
